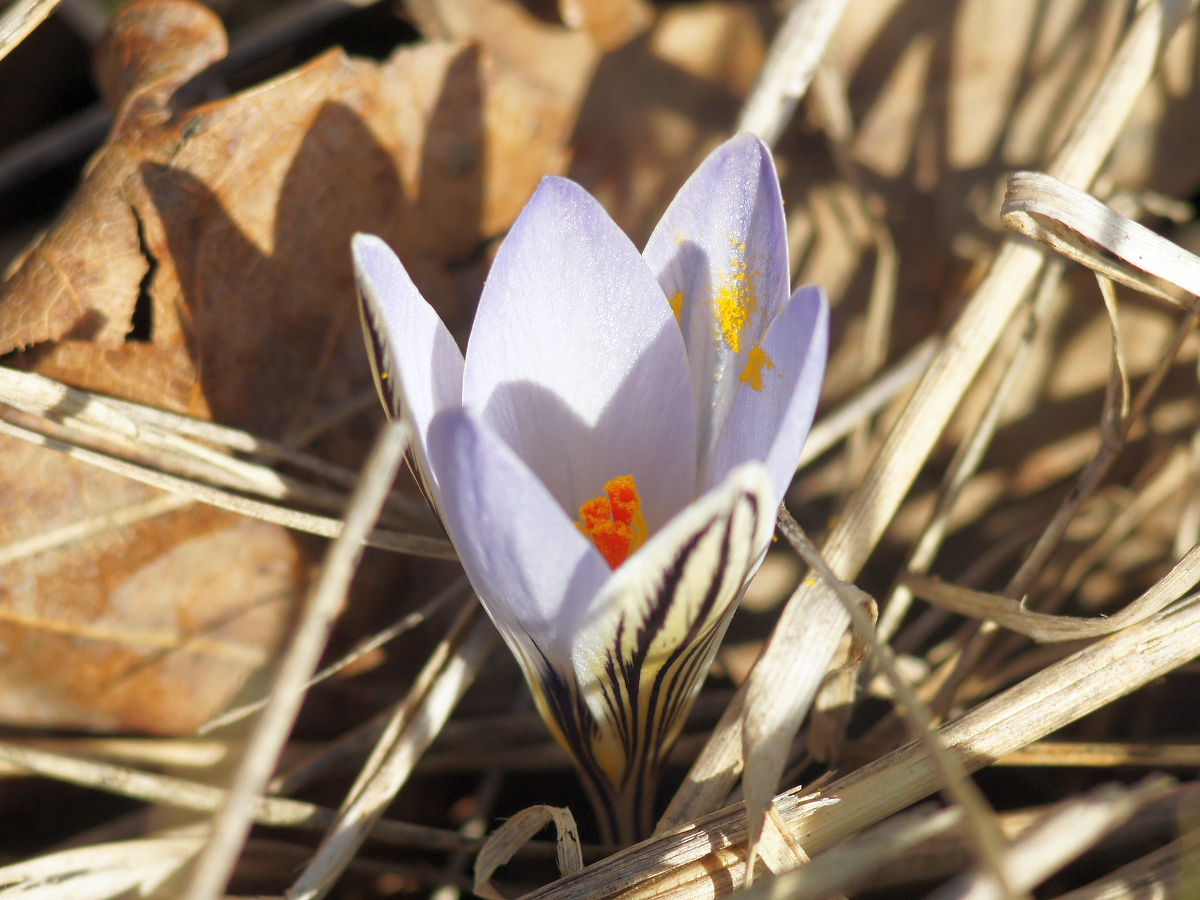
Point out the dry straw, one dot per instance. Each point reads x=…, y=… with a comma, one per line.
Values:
x=856, y=827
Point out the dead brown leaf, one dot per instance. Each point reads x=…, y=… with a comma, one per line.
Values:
x=203, y=266
x=231, y=220
x=151, y=626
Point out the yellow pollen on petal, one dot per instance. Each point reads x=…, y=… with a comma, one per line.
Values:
x=756, y=363
x=676, y=302
x=614, y=521
x=735, y=300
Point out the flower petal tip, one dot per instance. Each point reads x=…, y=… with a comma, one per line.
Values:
x=563, y=202
x=812, y=294
x=816, y=303
x=371, y=254
x=748, y=145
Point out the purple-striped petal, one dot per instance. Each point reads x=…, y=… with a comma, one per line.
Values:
x=720, y=254
x=650, y=633
x=660, y=616
x=575, y=360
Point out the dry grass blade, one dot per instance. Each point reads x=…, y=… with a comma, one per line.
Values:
x=304, y=650
x=943, y=855
x=416, y=722
x=831, y=428
x=183, y=753
x=177, y=442
x=1013, y=615
x=980, y=819
x=1169, y=871
x=180, y=793
x=86, y=527
x=765, y=747
x=1052, y=753
x=974, y=334
x=842, y=869
x=969, y=455
x=99, y=871
x=508, y=838
x=43, y=396
x=1080, y=227
x=324, y=526
x=1115, y=411
x=410, y=621
x=1058, y=839
x=707, y=858
x=1117, y=421
x=785, y=76
x=20, y=19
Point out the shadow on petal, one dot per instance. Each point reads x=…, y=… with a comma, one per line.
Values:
x=640, y=432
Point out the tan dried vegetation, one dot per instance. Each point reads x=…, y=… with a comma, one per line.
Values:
x=1002, y=490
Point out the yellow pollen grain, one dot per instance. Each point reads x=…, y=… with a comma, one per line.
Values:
x=676, y=302
x=735, y=300
x=756, y=363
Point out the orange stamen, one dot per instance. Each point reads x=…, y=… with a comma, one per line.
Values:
x=612, y=539
x=623, y=495
x=595, y=511
x=613, y=521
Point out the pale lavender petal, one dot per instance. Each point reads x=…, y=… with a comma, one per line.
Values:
x=652, y=629
x=534, y=571
x=576, y=362
x=418, y=367
x=777, y=394
x=720, y=254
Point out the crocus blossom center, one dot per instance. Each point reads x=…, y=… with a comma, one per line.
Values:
x=613, y=521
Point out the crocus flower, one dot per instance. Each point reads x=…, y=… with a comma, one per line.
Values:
x=609, y=456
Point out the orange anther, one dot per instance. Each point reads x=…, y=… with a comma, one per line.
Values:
x=595, y=511
x=613, y=521
x=623, y=495
x=612, y=539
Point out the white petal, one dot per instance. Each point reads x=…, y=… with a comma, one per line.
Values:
x=720, y=253
x=777, y=396
x=418, y=367
x=534, y=571
x=576, y=362
x=651, y=632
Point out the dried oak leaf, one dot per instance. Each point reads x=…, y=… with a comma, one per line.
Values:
x=148, y=627
x=203, y=266
x=231, y=220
